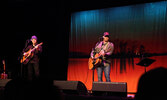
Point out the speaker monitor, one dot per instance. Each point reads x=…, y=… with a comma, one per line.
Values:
x=71, y=87
x=3, y=82
x=110, y=88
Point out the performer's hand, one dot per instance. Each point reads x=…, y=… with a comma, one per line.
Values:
x=26, y=53
x=93, y=58
x=102, y=52
x=36, y=46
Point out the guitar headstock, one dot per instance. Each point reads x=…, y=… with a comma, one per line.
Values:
x=40, y=44
x=3, y=61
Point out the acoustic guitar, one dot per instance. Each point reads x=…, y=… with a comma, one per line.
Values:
x=28, y=55
x=93, y=63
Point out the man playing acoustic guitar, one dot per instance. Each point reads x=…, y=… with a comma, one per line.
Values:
x=31, y=59
x=102, y=51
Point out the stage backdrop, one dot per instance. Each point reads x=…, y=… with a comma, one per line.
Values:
x=136, y=31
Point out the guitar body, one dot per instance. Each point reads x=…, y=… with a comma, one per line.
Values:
x=27, y=57
x=93, y=63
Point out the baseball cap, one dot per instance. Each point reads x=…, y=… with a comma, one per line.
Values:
x=33, y=37
x=106, y=34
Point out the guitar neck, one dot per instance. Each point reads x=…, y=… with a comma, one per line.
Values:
x=33, y=49
x=36, y=45
x=4, y=65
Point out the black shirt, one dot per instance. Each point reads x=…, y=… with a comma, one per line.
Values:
x=36, y=53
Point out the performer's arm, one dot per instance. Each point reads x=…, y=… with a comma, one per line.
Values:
x=25, y=51
x=109, y=50
x=38, y=49
x=93, y=52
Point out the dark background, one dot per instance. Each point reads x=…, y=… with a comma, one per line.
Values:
x=49, y=20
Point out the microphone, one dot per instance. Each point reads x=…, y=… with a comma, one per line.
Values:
x=100, y=38
x=28, y=40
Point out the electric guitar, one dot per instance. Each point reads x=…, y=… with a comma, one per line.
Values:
x=28, y=55
x=4, y=75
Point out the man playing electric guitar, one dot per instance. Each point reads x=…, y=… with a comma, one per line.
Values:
x=103, y=50
x=32, y=52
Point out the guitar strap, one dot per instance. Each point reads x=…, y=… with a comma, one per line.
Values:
x=104, y=48
x=101, y=47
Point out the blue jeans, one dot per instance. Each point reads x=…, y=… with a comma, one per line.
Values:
x=106, y=70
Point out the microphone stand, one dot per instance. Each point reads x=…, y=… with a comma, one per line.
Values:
x=21, y=56
x=94, y=53
x=93, y=64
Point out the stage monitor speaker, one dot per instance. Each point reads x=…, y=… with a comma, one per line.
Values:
x=110, y=88
x=3, y=82
x=71, y=87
